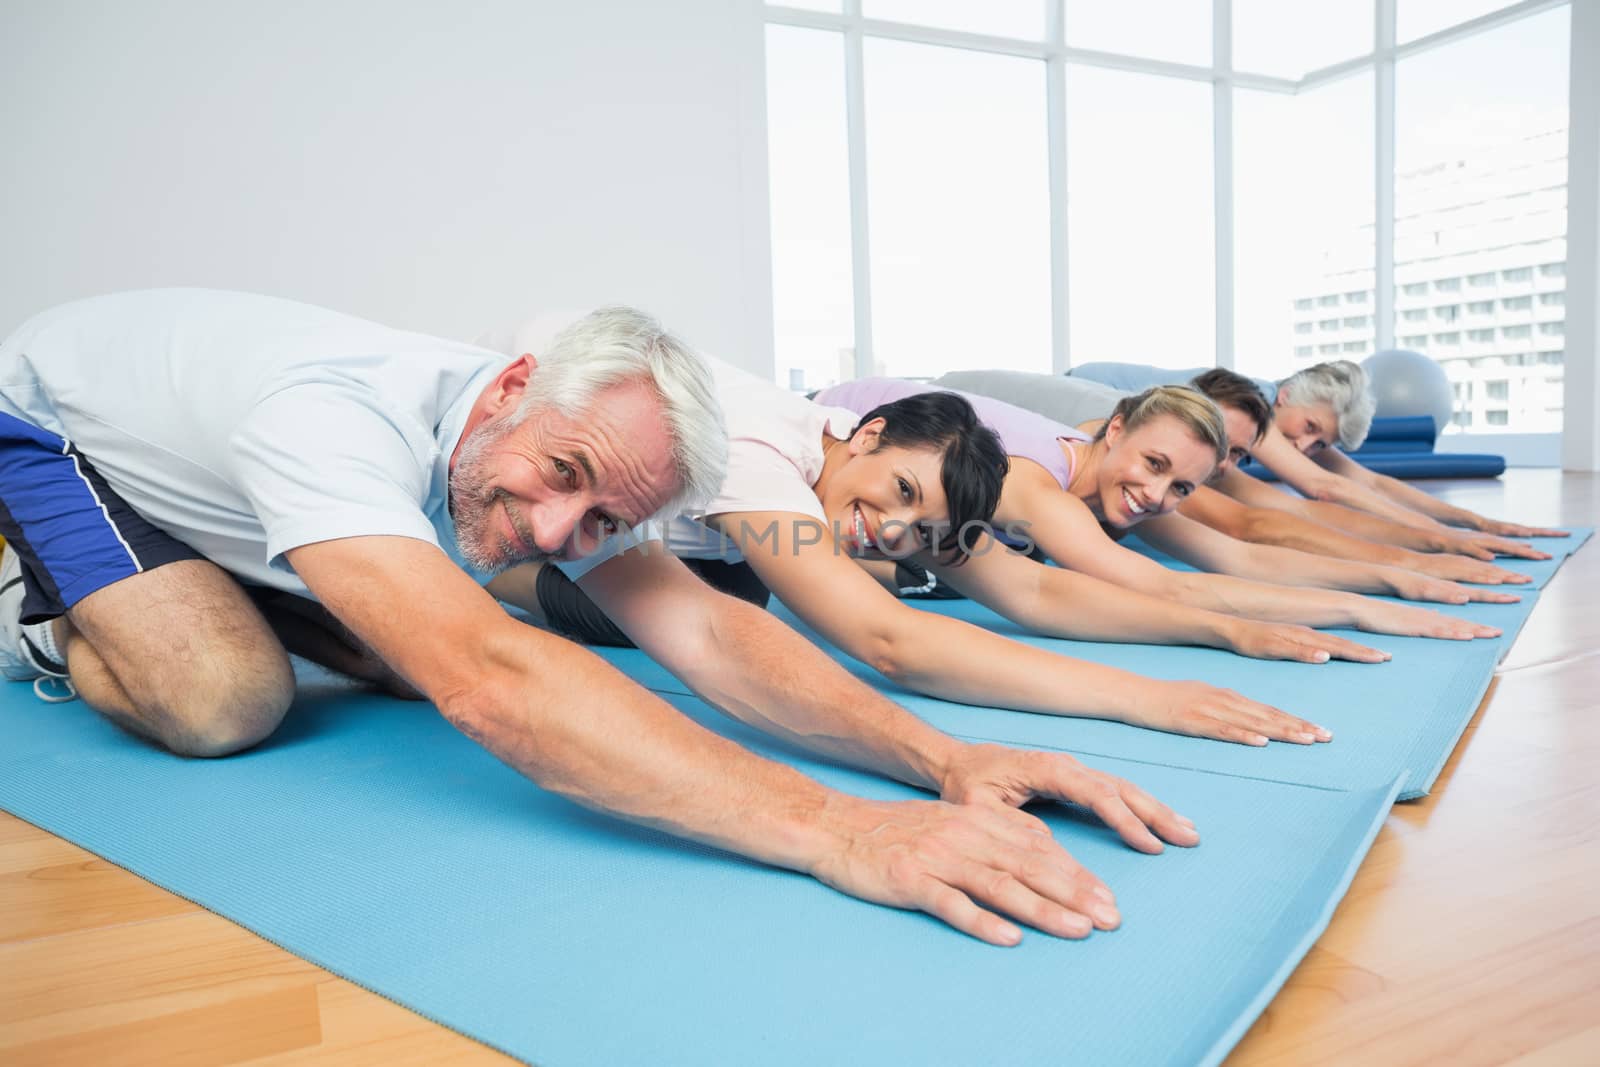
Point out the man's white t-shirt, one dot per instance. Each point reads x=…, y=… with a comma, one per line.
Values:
x=245, y=425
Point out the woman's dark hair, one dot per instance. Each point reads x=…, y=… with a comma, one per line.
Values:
x=974, y=464
x=1231, y=390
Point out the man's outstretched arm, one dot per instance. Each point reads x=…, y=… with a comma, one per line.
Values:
x=572, y=723
x=747, y=662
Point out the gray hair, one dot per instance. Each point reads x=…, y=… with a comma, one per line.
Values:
x=614, y=345
x=1342, y=385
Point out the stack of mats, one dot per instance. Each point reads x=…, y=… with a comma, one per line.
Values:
x=1403, y=448
x=372, y=839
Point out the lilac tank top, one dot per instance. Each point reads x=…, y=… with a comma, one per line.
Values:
x=1022, y=433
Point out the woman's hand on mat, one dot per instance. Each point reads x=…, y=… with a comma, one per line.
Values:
x=1453, y=568
x=1487, y=546
x=1201, y=710
x=1512, y=529
x=1283, y=640
x=1408, y=585
x=1382, y=617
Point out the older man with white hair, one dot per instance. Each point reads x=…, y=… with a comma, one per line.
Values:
x=170, y=460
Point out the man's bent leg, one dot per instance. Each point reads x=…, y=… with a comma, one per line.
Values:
x=158, y=639
x=180, y=655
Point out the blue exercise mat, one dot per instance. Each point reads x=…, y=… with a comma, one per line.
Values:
x=1400, y=718
x=372, y=839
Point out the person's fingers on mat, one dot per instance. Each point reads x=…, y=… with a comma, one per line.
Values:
x=1344, y=648
x=1288, y=641
x=1279, y=725
x=980, y=774
x=1002, y=891
x=1202, y=710
x=1490, y=596
x=996, y=775
x=1503, y=547
x=1174, y=828
x=954, y=908
x=1271, y=724
x=1511, y=529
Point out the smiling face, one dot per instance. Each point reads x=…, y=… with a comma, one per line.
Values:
x=554, y=486
x=883, y=499
x=1150, y=470
x=1309, y=427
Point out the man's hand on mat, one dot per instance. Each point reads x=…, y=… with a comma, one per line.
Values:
x=1007, y=778
x=1486, y=546
x=1285, y=640
x=1381, y=617
x=1408, y=585
x=1201, y=710
x=1453, y=568
x=965, y=862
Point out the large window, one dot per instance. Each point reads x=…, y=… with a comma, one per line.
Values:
x=1480, y=190
x=1139, y=215
x=1303, y=220
x=812, y=302
x=958, y=185
x=1038, y=183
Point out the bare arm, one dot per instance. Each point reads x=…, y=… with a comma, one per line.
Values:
x=514, y=689
x=1288, y=528
x=1178, y=606
x=1319, y=483
x=1411, y=497
x=954, y=660
x=1434, y=538
x=1201, y=546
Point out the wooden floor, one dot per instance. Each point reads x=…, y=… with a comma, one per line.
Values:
x=1471, y=934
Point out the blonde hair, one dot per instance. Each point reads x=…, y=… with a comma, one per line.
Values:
x=1193, y=409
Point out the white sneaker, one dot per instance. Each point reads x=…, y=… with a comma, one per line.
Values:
x=20, y=659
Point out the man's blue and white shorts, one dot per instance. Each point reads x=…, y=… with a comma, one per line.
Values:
x=73, y=534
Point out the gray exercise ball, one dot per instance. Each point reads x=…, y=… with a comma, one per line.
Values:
x=1409, y=383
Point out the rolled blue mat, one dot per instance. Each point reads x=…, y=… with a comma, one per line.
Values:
x=373, y=840
x=1410, y=465
x=1411, y=433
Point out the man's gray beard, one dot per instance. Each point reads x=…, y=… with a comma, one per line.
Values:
x=472, y=503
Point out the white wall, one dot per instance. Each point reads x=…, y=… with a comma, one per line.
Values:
x=442, y=167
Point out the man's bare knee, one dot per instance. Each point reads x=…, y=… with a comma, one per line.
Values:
x=224, y=720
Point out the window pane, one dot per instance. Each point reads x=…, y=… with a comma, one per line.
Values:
x=1303, y=232
x=812, y=305
x=1002, y=18
x=1480, y=195
x=1175, y=30
x=1141, y=244
x=958, y=195
x=1418, y=18
x=1290, y=38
